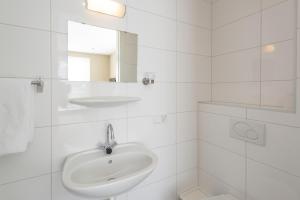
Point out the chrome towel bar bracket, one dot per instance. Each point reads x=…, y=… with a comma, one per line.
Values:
x=39, y=84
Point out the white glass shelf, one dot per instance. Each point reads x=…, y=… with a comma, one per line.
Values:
x=100, y=101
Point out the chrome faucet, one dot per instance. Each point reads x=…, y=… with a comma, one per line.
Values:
x=110, y=142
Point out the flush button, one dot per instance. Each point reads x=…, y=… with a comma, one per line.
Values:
x=248, y=131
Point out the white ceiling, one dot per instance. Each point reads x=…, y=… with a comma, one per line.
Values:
x=91, y=39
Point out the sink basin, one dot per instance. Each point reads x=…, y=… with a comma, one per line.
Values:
x=94, y=174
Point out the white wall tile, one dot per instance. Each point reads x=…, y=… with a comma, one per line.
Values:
x=204, y=92
x=297, y=104
x=186, y=126
x=242, y=34
x=285, y=100
x=241, y=66
x=31, y=13
x=75, y=10
x=279, y=61
x=284, y=118
x=298, y=52
x=154, y=133
x=193, y=68
x=228, y=167
x=192, y=39
x=234, y=111
x=281, y=150
x=79, y=137
x=164, y=190
x=187, y=156
x=298, y=14
x=212, y=186
x=34, y=162
x=164, y=36
x=187, y=180
x=197, y=12
x=165, y=8
x=218, y=135
x=267, y=183
x=188, y=96
x=59, y=56
x=30, y=189
x=156, y=99
x=226, y=11
x=278, y=22
x=24, y=52
x=241, y=93
x=160, y=62
x=269, y=3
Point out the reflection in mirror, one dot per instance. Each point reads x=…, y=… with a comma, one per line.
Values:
x=99, y=54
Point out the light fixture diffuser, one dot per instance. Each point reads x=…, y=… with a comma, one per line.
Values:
x=109, y=7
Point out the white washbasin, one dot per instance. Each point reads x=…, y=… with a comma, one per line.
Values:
x=95, y=174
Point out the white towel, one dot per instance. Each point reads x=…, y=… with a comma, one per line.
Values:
x=16, y=115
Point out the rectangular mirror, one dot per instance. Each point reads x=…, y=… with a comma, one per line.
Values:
x=100, y=54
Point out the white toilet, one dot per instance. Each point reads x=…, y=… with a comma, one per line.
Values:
x=196, y=194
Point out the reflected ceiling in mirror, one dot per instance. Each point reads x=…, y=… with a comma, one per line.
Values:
x=100, y=54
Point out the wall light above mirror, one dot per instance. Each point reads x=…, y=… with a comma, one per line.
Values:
x=100, y=54
x=109, y=7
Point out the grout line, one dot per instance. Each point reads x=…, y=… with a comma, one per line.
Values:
x=246, y=172
x=273, y=167
x=223, y=115
x=235, y=21
x=239, y=105
x=211, y=52
x=173, y=51
x=27, y=27
x=25, y=179
x=176, y=20
x=238, y=82
x=51, y=101
x=220, y=147
x=188, y=170
x=296, y=53
x=256, y=120
x=246, y=154
x=251, y=48
x=249, y=15
x=156, y=182
x=116, y=119
x=249, y=158
x=198, y=149
x=176, y=100
x=127, y=88
x=26, y=78
x=260, y=52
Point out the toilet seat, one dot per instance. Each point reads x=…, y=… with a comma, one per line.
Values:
x=193, y=194
x=196, y=194
x=222, y=197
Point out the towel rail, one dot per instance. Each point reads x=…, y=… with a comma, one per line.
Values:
x=39, y=85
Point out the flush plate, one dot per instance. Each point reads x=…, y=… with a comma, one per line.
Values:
x=248, y=131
